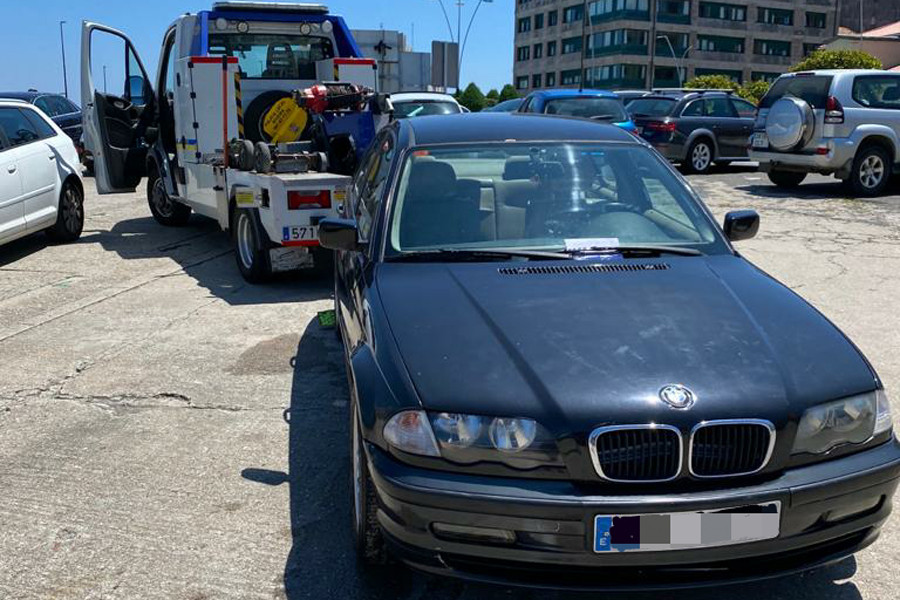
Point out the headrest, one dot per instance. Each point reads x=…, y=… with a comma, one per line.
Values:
x=892, y=94
x=437, y=178
x=517, y=167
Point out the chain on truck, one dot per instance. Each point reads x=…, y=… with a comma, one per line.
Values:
x=257, y=117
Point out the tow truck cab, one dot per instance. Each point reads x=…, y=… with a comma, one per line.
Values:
x=220, y=72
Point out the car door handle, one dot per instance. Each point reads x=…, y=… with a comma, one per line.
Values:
x=52, y=157
x=11, y=169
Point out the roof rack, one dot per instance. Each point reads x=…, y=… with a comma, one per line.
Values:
x=694, y=90
x=293, y=7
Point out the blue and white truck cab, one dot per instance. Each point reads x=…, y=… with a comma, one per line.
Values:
x=225, y=131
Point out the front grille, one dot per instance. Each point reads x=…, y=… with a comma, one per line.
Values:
x=584, y=269
x=728, y=448
x=639, y=453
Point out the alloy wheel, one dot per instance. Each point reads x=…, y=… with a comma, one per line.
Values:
x=871, y=171
x=161, y=199
x=73, y=210
x=701, y=157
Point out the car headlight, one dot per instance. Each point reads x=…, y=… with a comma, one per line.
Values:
x=517, y=442
x=851, y=420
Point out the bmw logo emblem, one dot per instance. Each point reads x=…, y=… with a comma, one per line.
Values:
x=677, y=396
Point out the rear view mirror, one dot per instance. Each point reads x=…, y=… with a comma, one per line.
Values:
x=741, y=225
x=339, y=234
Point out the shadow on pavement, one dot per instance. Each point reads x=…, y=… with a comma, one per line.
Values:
x=23, y=247
x=322, y=564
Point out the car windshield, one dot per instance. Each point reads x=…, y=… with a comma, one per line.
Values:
x=544, y=196
x=422, y=108
x=273, y=56
x=651, y=107
x=602, y=109
x=811, y=88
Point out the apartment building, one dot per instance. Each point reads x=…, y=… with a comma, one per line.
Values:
x=618, y=44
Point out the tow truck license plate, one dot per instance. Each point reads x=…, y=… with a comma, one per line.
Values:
x=300, y=233
x=687, y=530
x=760, y=140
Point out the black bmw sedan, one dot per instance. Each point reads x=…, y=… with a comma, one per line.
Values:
x=562, y=373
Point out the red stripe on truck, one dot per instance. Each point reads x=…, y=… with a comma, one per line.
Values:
x=301, y=243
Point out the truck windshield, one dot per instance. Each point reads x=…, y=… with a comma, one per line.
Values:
x=273, y=56
x=543, y=196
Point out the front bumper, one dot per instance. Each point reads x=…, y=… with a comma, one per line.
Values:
x=829, y=511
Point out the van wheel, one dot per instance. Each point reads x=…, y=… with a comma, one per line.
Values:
x=250, y=249
x=699, y=157
x=786, y=179
x=69, y=214
x=164, y=209
x=367, y=535
x=871, y=171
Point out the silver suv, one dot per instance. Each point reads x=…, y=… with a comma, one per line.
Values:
x=841, y=122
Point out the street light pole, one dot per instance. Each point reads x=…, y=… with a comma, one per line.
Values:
x=104, y=79
x=469, y=28
x=674, y=58
x=62, y=43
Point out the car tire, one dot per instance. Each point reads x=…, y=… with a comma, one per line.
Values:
x=368, y=538
x=788, y=180
x=251, y=250
x=871, y=171
x=164, y=209
x=699, y=157
x=69, y=215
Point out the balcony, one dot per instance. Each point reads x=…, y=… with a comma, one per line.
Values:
x=764, y=59
x=624, y=15
x=635, y=49
x=662, y=49
x=620, y=83
x=673, y=18
x=722, y=24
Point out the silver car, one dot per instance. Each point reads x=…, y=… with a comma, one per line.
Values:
x=844, y=123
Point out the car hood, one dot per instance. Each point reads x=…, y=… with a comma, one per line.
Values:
x=579, y=349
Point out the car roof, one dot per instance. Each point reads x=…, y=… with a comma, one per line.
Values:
x=12, y=101
x=413, y=96
x=842, y=72
x=574, y=93
x=25, y=96
x=487, y=127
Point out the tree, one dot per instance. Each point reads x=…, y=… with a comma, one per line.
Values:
x=508, y=93
x=472, y=98
x=712, y=82
x=837, y=59
x=492, y=97
x=754, y=90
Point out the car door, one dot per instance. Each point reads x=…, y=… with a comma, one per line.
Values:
x=36, y=163
x=12, y=213
x=730, y=130
x=118, y=127
x=746, y=112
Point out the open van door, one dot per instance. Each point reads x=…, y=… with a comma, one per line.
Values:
x=118, y=108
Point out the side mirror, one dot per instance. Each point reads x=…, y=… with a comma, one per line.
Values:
x=339, y=234
x=741, y=225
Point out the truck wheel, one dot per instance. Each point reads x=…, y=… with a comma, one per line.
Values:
x=367, y=535
x=699, y=157
x=69, y=214
x=166, y=211
x=250, y=248
x=786, y=179
x=871, y=171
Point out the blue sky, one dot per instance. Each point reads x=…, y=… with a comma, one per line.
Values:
x=30, y=47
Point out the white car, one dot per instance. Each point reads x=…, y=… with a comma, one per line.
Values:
x=421, y=104
x=40, y=176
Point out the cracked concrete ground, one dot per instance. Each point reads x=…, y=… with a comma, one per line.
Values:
x=143, y=452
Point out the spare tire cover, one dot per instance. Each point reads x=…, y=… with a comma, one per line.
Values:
x=790, y=123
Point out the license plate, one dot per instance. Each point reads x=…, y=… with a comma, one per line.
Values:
x=686, y=530
x=300, y=233
x=760, y=140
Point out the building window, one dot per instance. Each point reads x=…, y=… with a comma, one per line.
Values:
x=536, y=80
x=552, y=18
x=679, y=41
x=573, y=13
x=523, y=53
x=762, y=76
x=538, y=51
x=667, y=77
x=771, y=48
x=522, y=82
x=618, y=41
x=570, y=77
x=737, y=76
x=674, y=11
x=524, y=25
x=810, y=48
x=619, y=75
x=724, y=12
x=716, y=43
x=551, y=48
x=604, y=10
x=550, y=78
x=539, y=21
x=572, y=44
x=814, y=19
x=775, y=16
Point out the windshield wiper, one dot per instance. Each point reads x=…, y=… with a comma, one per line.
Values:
x=634, y=250
x=462, y=255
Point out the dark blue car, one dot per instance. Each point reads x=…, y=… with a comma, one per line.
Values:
x=63, y=112
x=598, y=105
x=562, y=373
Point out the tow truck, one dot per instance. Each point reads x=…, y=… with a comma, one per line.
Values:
x=258, y=116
